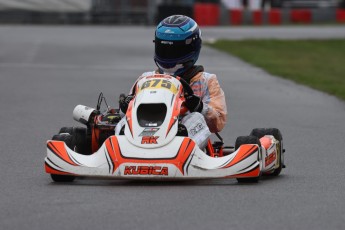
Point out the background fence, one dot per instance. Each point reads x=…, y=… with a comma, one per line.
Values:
x=149, y=12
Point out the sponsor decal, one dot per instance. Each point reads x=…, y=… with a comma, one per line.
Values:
x=146, y=170
x=196, y=129
x=169, y=31
x=270, y=158
x=167, y=42
x=149, y=140
x=148, y=132
x=151, y=124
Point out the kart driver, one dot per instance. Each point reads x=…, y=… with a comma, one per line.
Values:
x=177, y=48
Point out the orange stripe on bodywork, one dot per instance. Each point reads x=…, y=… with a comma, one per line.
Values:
x=176, y=110
x=129, y=116
x=113, y=147
x=171, y=123
x=183, y=154
x=253, y=173
x=245, y=151
x=58, y=148
x=266, y=142
x=183, y=146
x=50, y=170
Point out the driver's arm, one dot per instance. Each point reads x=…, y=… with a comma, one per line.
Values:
x=207, y=87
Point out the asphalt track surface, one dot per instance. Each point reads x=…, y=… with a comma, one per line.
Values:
x=45, y=72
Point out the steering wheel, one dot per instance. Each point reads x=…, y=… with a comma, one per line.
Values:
x=188, y=91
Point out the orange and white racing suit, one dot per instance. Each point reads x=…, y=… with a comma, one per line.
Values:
x=206, y=86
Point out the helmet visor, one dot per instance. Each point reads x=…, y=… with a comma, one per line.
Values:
x=173, y=49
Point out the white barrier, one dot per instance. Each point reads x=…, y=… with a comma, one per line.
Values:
x=233, y=4
x=47, y=5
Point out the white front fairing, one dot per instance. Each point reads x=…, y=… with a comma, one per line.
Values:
x=179, y=159
x=154, y=90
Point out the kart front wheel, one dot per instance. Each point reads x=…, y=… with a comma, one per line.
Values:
x=260, y=132
x=247, y=140
x=69, y=140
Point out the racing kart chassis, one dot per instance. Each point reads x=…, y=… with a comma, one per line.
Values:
x=156, y=149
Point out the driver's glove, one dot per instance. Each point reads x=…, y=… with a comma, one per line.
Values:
x=194, y=103
x=124, y=102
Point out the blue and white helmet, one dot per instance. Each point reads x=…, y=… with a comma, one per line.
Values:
x=177, y=44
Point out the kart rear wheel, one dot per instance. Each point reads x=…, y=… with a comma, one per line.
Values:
x=260, y=132
x=82, y=142
x=68, y=130
x=68, y=139
x=241, y=140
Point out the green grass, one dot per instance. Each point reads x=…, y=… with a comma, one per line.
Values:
x=319, y=64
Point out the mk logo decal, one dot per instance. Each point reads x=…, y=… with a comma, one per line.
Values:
x=149, y=140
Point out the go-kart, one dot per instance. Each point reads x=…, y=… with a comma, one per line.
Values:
x=152, y=143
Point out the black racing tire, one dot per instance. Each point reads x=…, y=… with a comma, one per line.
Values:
x=241, y=140
x=82, y=144
x=260, y=132
x=66, y=130
x=69, y=140
x=79, y=134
